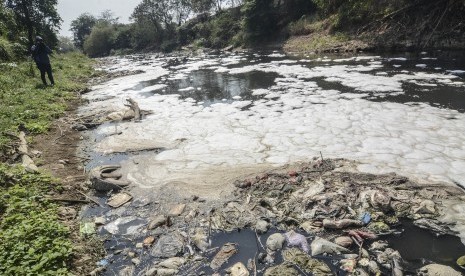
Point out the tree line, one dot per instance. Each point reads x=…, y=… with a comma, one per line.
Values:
x=165, y=25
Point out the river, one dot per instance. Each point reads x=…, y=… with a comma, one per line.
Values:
x=219, y=117
x=215, y=114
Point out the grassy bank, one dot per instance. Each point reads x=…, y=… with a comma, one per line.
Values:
x=32, y=239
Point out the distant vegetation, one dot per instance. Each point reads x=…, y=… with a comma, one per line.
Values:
x=166, y=25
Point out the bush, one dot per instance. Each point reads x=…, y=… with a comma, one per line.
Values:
x=100, y=41
x=6, y=53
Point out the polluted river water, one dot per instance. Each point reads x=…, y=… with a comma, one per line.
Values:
x=215, y=118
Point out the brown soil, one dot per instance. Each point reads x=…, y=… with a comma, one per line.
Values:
x=58, y=156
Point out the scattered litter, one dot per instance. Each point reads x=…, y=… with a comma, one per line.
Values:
x=118, y=200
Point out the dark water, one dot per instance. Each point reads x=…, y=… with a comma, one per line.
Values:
x=212, y=87
x=418, y=246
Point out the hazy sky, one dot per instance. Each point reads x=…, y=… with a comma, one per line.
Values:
x=71, y=9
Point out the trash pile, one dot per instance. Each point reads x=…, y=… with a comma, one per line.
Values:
x=315, y=220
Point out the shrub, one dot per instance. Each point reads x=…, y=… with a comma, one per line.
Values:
x=100, y=41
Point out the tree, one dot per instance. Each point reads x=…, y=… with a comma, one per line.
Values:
x=202, y=6
x=81, y=28
x=260, y=20
x=37, y=17
x=100, y=41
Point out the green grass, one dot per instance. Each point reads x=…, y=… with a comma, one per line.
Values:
x=25, y=101
x=32, y=240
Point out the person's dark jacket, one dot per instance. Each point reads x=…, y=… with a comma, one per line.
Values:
x=40, y=53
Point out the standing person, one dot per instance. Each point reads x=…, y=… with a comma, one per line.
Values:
x=40, y=53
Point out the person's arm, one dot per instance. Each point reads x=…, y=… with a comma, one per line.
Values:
x=49, y=51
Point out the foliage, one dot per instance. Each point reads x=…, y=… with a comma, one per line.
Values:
x=82, y=27
x=224, y=27
x=259, y=20
x=100, y=41
x=7, y=22
x=36, y=17
x=32, y=241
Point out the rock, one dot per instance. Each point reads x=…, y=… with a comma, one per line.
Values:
x=157, y=221
x=100, y=220
x=437, y=270
x=242, y=184
x=296, y=239
x=238, y=269
x=172, y=263
x=426, y=207
x=135, y=261
x=118, y=200
x=192, y=214
x=461, y=261
x=275, y=241
x=223, y=255
x=79, y=127
x=341, y=224
x=148, y=241
x=379, y=227
x=320, y=246
x=168, y=245
x=200, y=239
x=344, y=241
x=302, y=260
x=261, y=226
x=284, y=269
x=177, y=210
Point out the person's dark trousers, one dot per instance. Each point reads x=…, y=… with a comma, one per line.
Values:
x=46, y=68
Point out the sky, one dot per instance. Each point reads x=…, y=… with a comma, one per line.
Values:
x=71, y=9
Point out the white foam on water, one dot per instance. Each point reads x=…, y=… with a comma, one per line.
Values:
x=294, y=121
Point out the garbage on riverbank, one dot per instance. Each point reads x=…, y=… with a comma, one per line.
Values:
x=317, y=219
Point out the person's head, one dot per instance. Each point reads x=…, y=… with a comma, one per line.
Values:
x=39, y=39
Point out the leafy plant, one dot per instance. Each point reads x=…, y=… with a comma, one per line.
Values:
x=32, y=241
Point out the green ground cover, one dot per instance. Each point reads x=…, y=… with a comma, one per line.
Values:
x=32, y=239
